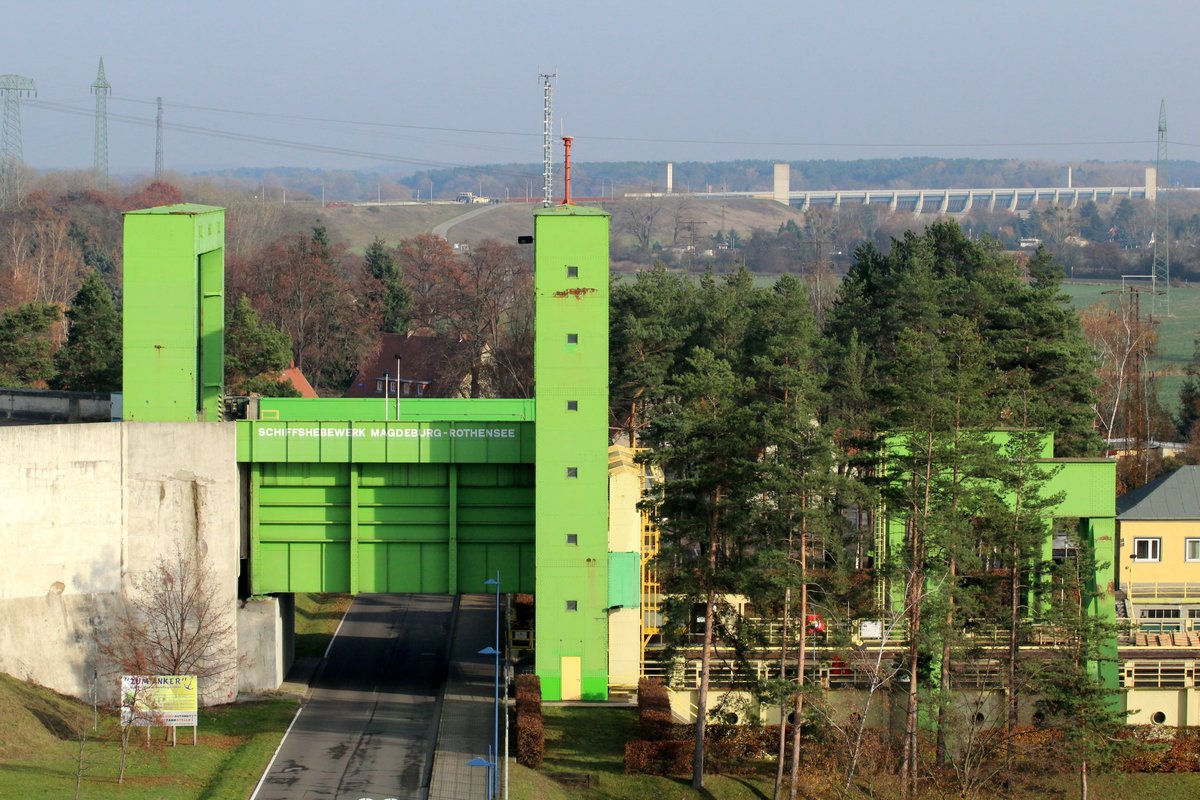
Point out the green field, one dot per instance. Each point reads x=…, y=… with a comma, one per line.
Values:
x=1176, y=333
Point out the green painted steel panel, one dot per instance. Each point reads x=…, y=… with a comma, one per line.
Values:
x=344, y=441
x=571, y=284
x=390, y=528
x=625, y=580
x=173, y=321
x=1088, y=487
x=426, y=409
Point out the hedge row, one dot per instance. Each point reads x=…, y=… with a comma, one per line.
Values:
x=1153, y=753
x=655, y=722
x=728, y=750
x=529, y=694
x=531, y=730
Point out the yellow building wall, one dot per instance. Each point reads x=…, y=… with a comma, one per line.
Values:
x=1172, y=568
x=624, y=536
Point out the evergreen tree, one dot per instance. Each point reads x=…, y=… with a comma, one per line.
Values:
x=705, y=437
x=253, y=349
x=26, y=349
x=1074, y=699
x=90, y=361
x=650, y=320
x=388, y=291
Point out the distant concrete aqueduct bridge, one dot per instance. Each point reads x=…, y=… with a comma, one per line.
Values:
x=933, y=201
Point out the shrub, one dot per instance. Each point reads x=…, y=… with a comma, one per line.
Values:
x=734, y=749
x=531, y=740
x=529, y=694
x=655, y=721
x=672, y=757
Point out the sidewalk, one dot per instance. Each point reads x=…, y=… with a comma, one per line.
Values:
x=466, y=727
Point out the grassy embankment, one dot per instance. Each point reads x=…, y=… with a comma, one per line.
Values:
x=40, y=732
x=40, y=750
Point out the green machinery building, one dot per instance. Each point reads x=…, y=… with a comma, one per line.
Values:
x=412, y=495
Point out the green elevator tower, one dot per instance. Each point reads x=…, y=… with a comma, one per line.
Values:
x=174, y=313
x=571, y=414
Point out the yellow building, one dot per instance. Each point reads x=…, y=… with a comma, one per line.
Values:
x=1158, y=552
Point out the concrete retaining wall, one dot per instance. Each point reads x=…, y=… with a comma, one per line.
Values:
x=89, y=507
x=266, y=641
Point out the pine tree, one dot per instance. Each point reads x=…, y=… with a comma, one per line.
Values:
x=389, y=291
x=705, y=439
x=1074, y=698
x=254, y=349
x=91, y=359
x=26, y=348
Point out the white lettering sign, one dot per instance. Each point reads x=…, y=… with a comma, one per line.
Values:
x=387, y=433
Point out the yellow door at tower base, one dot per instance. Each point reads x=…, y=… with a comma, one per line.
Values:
x=572, y=678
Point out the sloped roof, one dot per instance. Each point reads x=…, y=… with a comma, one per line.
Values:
x=438, y=361
x=1175, y=495
x=296, y=378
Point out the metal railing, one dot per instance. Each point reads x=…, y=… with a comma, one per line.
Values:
x=1174, y=674
x=1162, y=590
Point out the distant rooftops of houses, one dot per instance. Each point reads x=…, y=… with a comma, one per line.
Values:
x=415, y=365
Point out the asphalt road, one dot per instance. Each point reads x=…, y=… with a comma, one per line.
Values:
x=369, y=726
x=443, y=229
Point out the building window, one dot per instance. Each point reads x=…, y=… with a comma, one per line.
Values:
x=1191, y=549
x=1193, y=613
x=573, y=405
x=407, y=388
x=572, y=338
x=421, y=387
x=572, y=272
x=572, y=605
x=1147, y=549
x=572, y=538
x=572, y=472
x=1159, y=613
x=378, y=385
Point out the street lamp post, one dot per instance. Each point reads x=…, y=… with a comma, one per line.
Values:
x=495, y=653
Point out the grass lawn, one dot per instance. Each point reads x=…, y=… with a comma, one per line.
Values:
x=39, y=751
x=592, y=740
x=317, y=618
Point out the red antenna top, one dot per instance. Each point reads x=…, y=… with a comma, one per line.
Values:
x=567, y=170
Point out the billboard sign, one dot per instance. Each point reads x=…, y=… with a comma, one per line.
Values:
x=152, y=700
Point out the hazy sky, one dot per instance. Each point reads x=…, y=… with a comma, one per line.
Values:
x=698, y=80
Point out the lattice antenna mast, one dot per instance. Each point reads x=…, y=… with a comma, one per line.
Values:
x=12, y=88
x=1162, y=235
x=547, y=136
x=102, y=89
x=158, y=142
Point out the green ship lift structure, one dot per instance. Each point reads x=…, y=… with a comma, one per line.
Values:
x=438, y=495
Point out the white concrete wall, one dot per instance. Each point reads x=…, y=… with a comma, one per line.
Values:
x=265, y=629
x=86, y=509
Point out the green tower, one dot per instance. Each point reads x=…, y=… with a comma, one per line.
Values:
x=571, y=412
x=174, y=313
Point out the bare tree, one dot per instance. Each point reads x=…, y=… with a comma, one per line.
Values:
x=637, y=216
x=175, y=622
